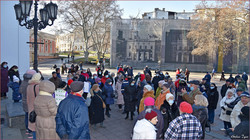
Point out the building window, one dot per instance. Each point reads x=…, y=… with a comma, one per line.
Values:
x=151, y=47
x=50, y=47
x=140, y=47
x=81, y=47
x=146, y=47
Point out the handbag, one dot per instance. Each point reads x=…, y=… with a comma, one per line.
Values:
x=103, y=104
x=32, y=115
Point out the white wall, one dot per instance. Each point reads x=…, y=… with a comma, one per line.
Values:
x=14, y=48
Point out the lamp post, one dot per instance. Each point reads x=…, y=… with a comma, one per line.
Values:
x=48, y=13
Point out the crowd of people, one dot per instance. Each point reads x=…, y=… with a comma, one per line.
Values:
x=167, y=109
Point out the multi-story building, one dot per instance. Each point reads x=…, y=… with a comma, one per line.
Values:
x=162, y=14
x=46, y=45
x=70, y=41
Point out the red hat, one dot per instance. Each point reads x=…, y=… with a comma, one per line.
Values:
x=186, y=108
x=70, y=81
x=150, y=115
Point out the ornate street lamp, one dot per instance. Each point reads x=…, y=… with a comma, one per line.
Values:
x=48, y=13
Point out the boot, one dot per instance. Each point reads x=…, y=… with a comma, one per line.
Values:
x=131, y=115
x=127, y=116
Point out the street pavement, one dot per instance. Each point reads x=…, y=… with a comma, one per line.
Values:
x=116, y=126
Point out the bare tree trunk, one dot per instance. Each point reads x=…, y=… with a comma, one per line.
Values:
x=86, y=56
x=99, y=55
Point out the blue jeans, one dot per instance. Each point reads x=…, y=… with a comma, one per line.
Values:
x=211, y=115
x=34, y=135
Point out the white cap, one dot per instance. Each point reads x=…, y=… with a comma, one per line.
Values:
x=169, y=95
x=148, y=87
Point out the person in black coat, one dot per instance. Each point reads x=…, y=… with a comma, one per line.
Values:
x=213, y=97
x=96, y=109
x=224, y=88
x=13, y=71
x=169, y=111
x=241, y=131
x=155, y=81
x=231, y=79
x=129, y=97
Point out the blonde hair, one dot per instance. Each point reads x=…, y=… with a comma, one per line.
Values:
x=201, y=100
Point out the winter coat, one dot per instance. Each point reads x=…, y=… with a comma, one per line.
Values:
x=104, y=79
x=223, y=104
x=144, y=129
x=23, y=90
x=108, y=94
x=72, y=118
x=191, y=96
x=145, y=95
x=118, y=90
x=140, y=92
x=96, y=110
x=45, y=108
x=16, y=95
x=56, y=81
x=155, y=81
x=30, y=101
x=160, y=123
x=234, y=119
x=242, y=85
x=223, y=90
x=148, y=78
x=130, y=98
x=213, y=97
x=130, y=72
x=245, y=77
x=171, y=113
x=4, y=80
x=161, y=98
x=200, y=112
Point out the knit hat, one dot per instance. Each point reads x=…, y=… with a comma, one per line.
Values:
x=245, y=111
x=95, y=86
x=47, y=86
x=76, y=86
x=186, y=108
x=168, y=96
x=32, y=72
x=149, y=101
x=15, y=79
x=35, y=78
x=148, y=87
x=239, y=89
x=244, y=94
x=150, y=115
x=69, y=82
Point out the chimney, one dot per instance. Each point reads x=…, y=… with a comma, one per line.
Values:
x=163, y=9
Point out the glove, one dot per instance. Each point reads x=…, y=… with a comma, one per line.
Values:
x=223, y=108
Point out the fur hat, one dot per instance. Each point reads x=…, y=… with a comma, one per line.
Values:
x=149, y=101
x=150, y=115
x=186, y=108
x=47, y=86
x=36, y=78
x=76, y=86
x=148, y=87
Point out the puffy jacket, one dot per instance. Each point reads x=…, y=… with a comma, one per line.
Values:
x=16, y=95
x=200, y=112
x=108, y=94
x=234, y=119
x=224, y=116
x=144, y=130
x=72, y=119
x=242, y=85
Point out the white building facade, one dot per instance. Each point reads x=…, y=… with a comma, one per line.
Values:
x=14, y=48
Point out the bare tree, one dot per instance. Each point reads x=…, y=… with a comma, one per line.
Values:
x=86, y=15
x=220, y=27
